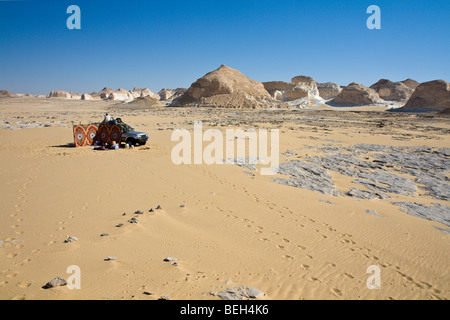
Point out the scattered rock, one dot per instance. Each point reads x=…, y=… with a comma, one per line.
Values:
x=55, y=282
x=164, y=298
x=110, y=258
x=119, y=225
x=70, y=239
x=169, y=259
x=151, y=210
x=148, y=293
x=254, y=293
x=240, y=293
x=158, y=207
x=133, y=220
x=104, y=235
x=139, y=212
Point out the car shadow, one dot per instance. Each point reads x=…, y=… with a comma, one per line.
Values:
x=67, y=145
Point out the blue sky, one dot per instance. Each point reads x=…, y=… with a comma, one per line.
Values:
x=169, y=44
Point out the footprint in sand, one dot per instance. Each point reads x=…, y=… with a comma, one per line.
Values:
x=22, y=263
x=304, y=267
x=12, y=275
x=314, y=279
x=336, y=292
x=288, y=257
x=24, y=284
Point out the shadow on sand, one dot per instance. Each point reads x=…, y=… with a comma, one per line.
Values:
x=67, y=145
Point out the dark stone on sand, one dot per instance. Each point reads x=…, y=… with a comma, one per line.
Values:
x=240, y=293
x=133, y=220
x=55, y=282
x=169, y=259
x=70, y=239
x=367, y=195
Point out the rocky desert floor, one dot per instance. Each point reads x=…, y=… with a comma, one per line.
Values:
x=357, y=187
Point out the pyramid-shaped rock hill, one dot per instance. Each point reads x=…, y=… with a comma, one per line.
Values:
x=227, y=88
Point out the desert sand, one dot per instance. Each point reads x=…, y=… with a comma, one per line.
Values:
x=227, y=225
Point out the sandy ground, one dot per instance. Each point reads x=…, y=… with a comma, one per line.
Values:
x=225, y=227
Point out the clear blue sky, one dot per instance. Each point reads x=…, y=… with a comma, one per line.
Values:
x=169, y=44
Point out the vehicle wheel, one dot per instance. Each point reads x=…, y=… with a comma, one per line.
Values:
x=142, y=143
x=131, y=142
